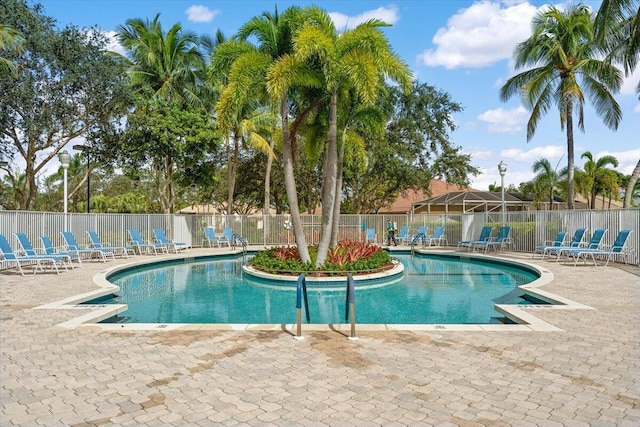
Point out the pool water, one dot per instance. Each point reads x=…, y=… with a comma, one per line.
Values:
x=441, y=290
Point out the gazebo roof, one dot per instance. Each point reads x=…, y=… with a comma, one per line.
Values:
x=470, y=200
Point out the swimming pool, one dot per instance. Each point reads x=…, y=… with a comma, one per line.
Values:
x=434, y=289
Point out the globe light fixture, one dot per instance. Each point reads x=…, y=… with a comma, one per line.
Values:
x=65, y=161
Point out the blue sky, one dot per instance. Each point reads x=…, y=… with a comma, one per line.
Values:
x=459, y=46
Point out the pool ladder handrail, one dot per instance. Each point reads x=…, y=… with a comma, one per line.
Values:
x=414, y=241
x=301, y=291
x=350, y=306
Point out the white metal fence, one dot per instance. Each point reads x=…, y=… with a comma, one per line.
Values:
x=530, y=228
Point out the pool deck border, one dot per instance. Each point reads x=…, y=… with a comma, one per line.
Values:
x=522, y=315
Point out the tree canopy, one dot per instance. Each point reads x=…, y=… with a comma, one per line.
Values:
x=65, y=86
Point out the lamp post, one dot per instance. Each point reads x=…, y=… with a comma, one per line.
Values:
x=86, y=150
x=65, y=160
x=502, y=168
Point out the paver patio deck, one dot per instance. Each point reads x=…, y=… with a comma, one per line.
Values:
x=586, y=374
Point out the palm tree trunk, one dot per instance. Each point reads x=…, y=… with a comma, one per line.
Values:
x=329, y=182
x=232, y=166
x=290, y=184
x=267, y=179
x=267, y=189
x=336, y=206
x=628, y=194
x=570, y=155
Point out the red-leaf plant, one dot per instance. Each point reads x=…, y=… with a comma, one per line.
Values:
x=286, y=253
x=348, y=251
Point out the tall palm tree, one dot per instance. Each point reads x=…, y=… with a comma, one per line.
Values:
x=171, y=66
x=357, y=59
x=598, y=177
x=617, y=27
x=170, y=63
x=274, y=35
x=249, y=79
x=283, y=73
x=240, y=71
x=547, y=178
x=562, y=64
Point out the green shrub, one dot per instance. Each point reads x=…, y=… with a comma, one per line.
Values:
x=348, y=256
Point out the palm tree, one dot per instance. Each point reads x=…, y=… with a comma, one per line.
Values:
x=11, y=40
x=283, y=73
x=240, y=69
x=547, y=179
x=274, y=35
x=357, y=59
x=598, y=177
x=563, y=66
x=171, y=66
x=628, y=194
x=170, y=63
x=617, y=27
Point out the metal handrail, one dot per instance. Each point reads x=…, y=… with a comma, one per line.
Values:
x=301, y=291
x=350, y=306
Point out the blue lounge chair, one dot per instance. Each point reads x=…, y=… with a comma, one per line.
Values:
x=162, y=238
x=210, y=238
x=371, y=236
x=50, y=249
x=502, y=239
x=594, y=243
x=438, y=238
x=576, y=241
x=617, y=249
x=228, y=233
x=37, y=262
x=122, y=251
x=140, y=245
x=485, y=235
x=71, y=245
x=28, y=250
x=404, y=236
x=559, y=241
x=421, y=235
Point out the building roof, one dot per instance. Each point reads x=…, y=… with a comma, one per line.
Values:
x=405, y=200
x=470, y=200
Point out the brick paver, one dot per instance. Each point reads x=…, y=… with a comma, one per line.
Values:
x=586, y=374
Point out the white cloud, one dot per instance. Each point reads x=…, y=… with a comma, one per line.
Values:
x=553, y=153
x=489, y=176
x=637, y=108
x=627, y=159
x=479, y=154
x=505, y=121
x=480, y=35
x=388, y=15
x=114, y=45
x=198, y=13
x=629, y=83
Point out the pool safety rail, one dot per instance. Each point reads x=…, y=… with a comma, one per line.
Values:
x=238, y=240
x=349, y=312
x=301, y=291
x=350, y=306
